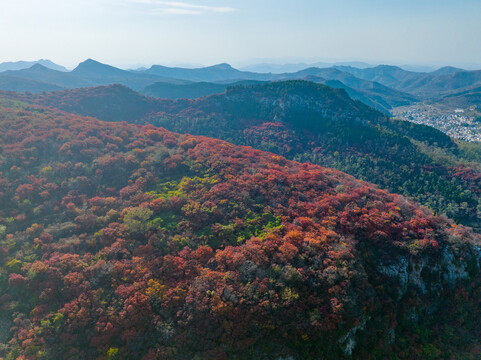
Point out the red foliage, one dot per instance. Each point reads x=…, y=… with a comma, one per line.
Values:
x=184, y=246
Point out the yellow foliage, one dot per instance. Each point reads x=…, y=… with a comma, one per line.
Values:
x=155, y=289
x=47, y=170
x=112, y=353
x=14, y=265
x=289, y=294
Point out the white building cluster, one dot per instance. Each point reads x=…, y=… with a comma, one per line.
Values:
x=456, y=124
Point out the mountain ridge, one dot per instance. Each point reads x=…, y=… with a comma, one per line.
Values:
x=384, y=86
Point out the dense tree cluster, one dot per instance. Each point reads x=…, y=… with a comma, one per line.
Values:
x=310, y=123
x=298, y=120
x=108, y=103
x=121, y=241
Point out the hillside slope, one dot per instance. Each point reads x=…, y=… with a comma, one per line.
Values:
x=308, y=122
x=463, y=100
x=121, y=241
x=12, y=83
x=108, y=103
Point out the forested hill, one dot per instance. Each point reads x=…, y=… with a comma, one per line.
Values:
x=303, y=105
x=310, y=123
x=120, y=241
x=108, y=103
x=261, y=102
x=314, y=123
x=301, y=102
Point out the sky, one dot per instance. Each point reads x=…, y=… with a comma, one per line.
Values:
x=131, y=33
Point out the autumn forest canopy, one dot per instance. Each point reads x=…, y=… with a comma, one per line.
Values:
x=271, y=221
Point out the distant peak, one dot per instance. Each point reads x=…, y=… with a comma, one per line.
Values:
x=313, y=78
x=158, y=67
x=50, y=65
x=38, y=66
x=447, y=70
x=390, y=67
x=94, y=67
x=89, y=62
x=223, y=66
x=311, y=68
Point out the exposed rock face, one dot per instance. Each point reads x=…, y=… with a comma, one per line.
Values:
x=413, y=271
x=398, y=272
x=453, y=270
x=348, y=341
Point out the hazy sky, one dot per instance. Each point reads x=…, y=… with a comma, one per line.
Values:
x=142, y=32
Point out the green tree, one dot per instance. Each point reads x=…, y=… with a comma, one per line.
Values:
x=137, y=220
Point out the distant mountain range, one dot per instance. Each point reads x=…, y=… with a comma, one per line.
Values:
x=445, y=81
x=216, y=73
x=49, y=77
x=19, y=65
x=293, y=67
x=382, y=87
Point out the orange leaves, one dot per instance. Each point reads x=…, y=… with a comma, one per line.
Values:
x=203, y=254
x=170, y=140
x=287, y=252
x=219, y=306
x=189, y=143
x=173, y=161
x=230, y=258
x=278, y=160
x=78, y=312
x=154, y=134
x=294, y=237
x=158, y=204
x=175, y=297
x=73, y=279
x=38, y=267
x=254, y=250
